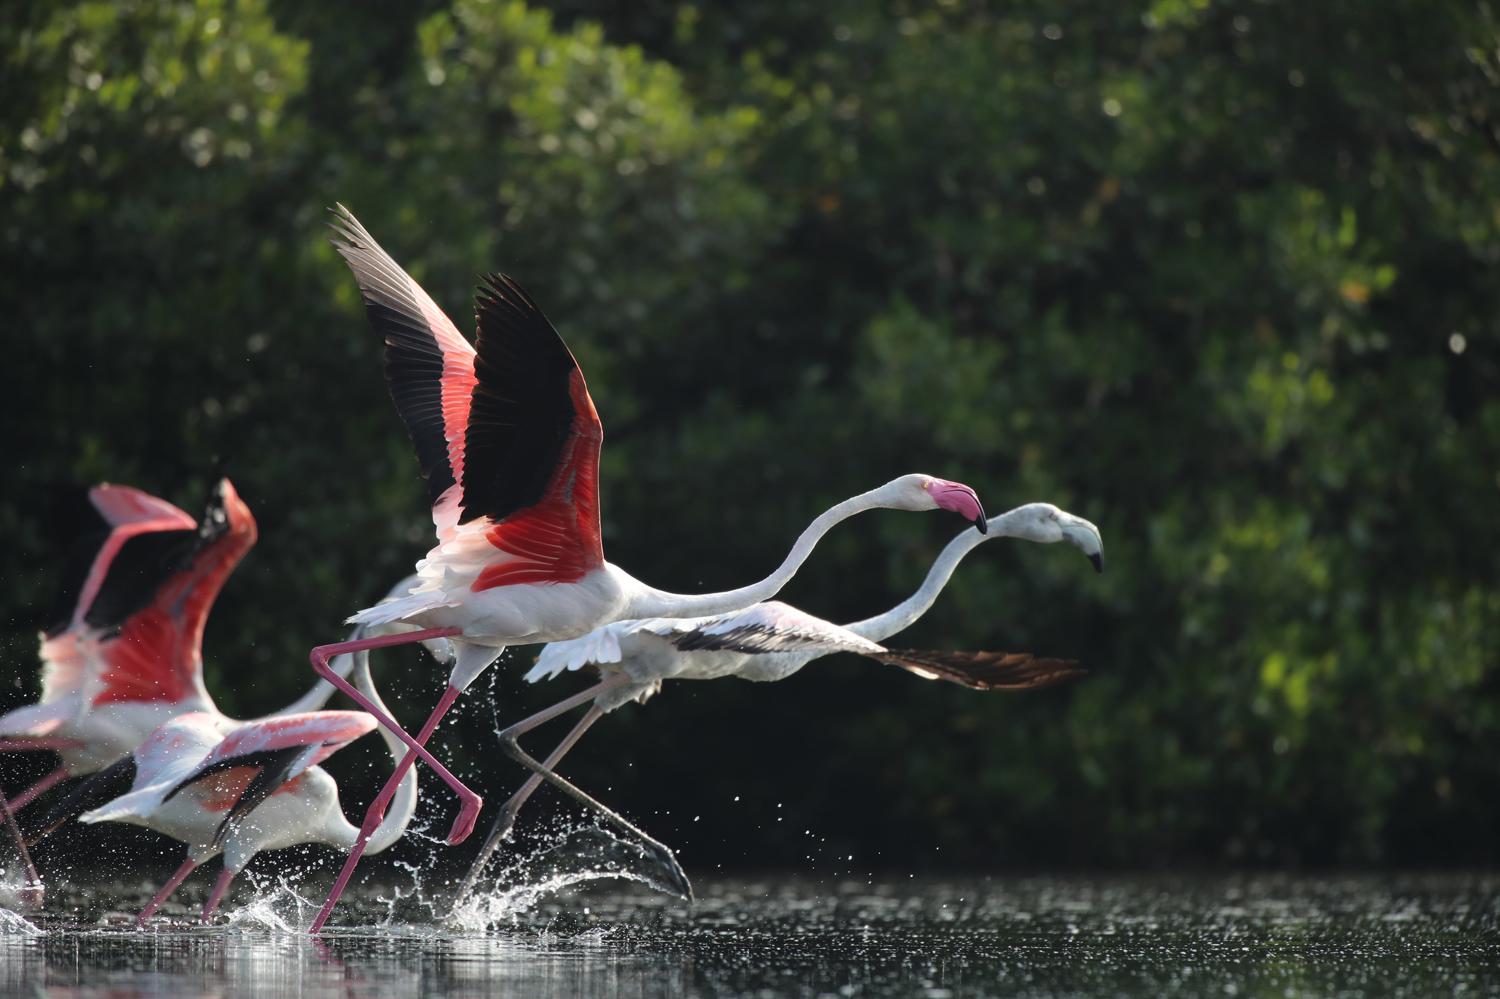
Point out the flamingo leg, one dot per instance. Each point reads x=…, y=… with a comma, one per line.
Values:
x=469, y=802
x=32, y=892
x=166, y=890
x=377, y=807
x=507, y=817
x=41, y=787
x=37, y=744
x=217, y=895
x=657, y=850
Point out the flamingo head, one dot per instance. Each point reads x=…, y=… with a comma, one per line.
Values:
x=1047, y=524
x=226, y=519
x=927, y=492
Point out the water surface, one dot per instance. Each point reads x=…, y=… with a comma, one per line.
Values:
x=1409, y=935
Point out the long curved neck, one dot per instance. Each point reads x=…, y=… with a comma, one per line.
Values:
x=318, y=694
x=404, y=802
x=908, y=611
x=646, y=601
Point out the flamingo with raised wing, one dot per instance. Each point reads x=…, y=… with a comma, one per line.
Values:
x=771, y=641
x=125, y=653
x=239, y=788
x=508, y=440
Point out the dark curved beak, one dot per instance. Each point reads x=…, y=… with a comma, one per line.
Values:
x=1098, y=560
x=981, y=522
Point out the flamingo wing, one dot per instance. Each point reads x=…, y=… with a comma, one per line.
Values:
x=429, y=366
x=1010, y=671
x=766, y=627
x=260, y=758
x=153, y=649
x=104, y=522
x=532, y=445
x=94, y=791
x=132, y=787
x=115, y=533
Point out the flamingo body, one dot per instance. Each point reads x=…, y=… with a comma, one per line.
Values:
x=508, y=440
x=240, y=788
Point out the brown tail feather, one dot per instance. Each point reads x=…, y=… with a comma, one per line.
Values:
x=1013, y=671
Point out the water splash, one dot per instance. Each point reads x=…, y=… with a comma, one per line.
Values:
x=484, y=910
x=15, y=924
x=571, y=855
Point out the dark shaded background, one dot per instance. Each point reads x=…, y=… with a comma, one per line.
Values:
x=1220, y=277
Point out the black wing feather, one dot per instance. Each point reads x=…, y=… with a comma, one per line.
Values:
x=747, y=638
x=522, y=408
x=1013, y=671
x=97, y=789
x=274, y=765
x=413, y=358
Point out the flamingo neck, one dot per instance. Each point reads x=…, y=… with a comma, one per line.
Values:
x=649, y=602
x=318, y=694
x=910, y=610
x=404, y=803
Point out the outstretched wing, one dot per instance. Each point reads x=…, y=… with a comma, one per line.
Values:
x=532, y=445
x=429, y=366
x=154, y=652
x=116, y=534
x=766, y=627
x=260, y=758
x=1012, y=671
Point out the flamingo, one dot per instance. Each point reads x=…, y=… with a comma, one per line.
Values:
x=127, y=654
x=771, y=641
x=239, y=788
x=508, y=441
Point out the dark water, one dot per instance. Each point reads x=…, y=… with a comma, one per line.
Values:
x=1027, y=936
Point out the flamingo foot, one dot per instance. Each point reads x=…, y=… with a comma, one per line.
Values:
x=468, y=814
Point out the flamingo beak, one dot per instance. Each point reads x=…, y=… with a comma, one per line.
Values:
x=961, y=500
x=1098, y=559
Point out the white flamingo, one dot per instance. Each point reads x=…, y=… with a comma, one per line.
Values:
x=239, y=788
x=508, y=440
x=771, y=641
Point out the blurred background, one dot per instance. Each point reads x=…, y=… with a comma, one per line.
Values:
x=1220, y=277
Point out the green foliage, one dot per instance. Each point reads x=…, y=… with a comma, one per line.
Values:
x=1218, y=276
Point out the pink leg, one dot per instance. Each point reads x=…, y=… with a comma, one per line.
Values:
x=377, y=808
x=38, y=789
x=32, y=892
x=166, y=890
x=39, y=743
x=469, y=802
x=217, y=895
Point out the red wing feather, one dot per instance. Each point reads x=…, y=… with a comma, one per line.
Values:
x=156, y=654
x=534, y=440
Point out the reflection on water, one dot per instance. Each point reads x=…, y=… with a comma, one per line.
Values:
x=1029, y=936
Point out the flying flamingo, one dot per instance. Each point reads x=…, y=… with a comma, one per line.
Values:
x=508, y=440
x=239, y=788
x=771, y=641
x=127, y=651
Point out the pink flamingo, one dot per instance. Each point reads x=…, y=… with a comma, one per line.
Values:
x=508, y=440
x=128, y=653
x=239, y=788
